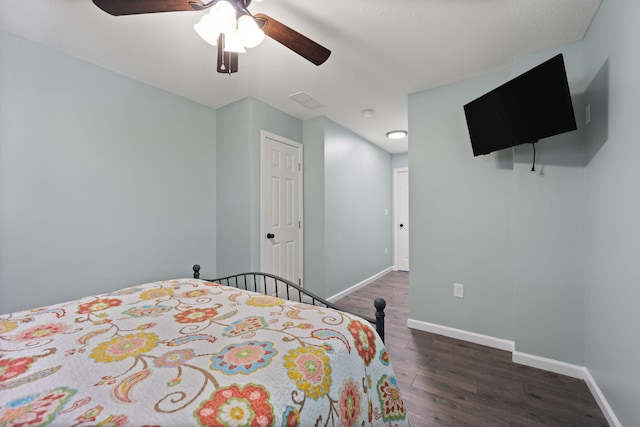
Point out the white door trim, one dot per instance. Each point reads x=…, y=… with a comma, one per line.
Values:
x=263, y=226
x=396, y=171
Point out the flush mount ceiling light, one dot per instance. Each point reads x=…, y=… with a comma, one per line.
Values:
x=396, y=134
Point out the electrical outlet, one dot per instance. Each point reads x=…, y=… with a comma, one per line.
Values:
x=458, y=290
x=386, y=251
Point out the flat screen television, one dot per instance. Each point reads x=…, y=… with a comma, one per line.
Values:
x=532, y=106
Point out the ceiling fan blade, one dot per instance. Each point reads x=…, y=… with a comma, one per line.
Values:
x=133, y=7
x=292, y=39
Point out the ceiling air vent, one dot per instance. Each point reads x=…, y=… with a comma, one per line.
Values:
x=306, y=100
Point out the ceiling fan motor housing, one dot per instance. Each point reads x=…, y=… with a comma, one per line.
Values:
x=238, y=5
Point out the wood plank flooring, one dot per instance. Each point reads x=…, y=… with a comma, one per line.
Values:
x=448, y=382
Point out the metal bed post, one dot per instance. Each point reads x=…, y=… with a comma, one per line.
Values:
x=380, y=305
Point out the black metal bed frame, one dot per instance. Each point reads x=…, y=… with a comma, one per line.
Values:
x=269, y=284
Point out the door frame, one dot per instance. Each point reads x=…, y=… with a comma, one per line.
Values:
x=396, y=202
x=263, y=227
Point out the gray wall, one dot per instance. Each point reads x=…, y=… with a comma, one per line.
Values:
x=460, y=210
x=547, y=236
x=238, y=172
x=400, y=160
x=513, y=237
x=347, y=187
x=104, y=182
x=358, y=205
x=549, y=259
x=613, y=207
x=265, y=117
x=314, y=202
x=348, y=184
x=233, y=189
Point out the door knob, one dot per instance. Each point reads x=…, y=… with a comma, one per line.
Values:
x=270, y=235
x=401, y=225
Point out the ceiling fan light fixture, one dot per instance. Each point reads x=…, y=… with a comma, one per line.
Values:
x=223, y=15
x=233, y=41
x=207, y=30
x=251, y=34
x=396, y=134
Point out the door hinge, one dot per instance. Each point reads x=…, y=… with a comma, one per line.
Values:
x=299, y=224
x=299, y=167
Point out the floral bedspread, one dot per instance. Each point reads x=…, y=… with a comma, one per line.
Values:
x=190, y=352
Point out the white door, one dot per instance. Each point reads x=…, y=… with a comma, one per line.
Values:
x=281, y=207
x=401, y=215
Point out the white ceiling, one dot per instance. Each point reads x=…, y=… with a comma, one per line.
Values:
x=382, y=50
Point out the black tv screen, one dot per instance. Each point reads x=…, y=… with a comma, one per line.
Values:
x=532, y=106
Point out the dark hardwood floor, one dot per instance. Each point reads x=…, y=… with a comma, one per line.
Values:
x=448, y=382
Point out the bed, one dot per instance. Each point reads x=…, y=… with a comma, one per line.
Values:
x=196, y=352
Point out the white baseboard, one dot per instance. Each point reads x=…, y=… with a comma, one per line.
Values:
x=600, y=399
x=462, y=335
x=551, y=365
x=357, y=286
x=574, y=371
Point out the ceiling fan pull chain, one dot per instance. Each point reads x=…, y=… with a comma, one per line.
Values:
x=221, y=52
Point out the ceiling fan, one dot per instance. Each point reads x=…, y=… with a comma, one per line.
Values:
x=222, y=25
